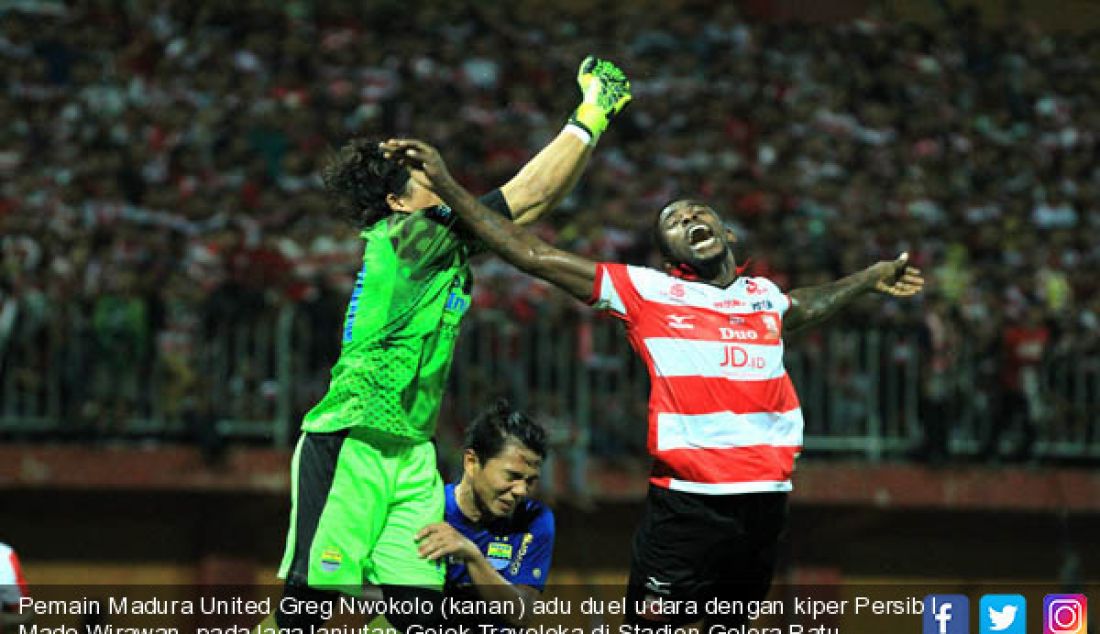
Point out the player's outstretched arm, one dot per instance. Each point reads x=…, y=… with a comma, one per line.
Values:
x=814, y=304
x=542, y=183
x=519, y=247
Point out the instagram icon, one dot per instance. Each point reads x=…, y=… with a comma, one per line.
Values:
x=1065, y=614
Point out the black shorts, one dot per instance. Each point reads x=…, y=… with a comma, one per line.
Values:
x=693, y=547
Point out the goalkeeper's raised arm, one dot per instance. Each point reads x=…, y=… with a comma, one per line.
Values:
x=552, y=173
x=511, y=242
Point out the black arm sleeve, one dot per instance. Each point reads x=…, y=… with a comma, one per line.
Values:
x=495, y=201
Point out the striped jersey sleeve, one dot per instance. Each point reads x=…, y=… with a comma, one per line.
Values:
x=13, y=586
x=619, y=288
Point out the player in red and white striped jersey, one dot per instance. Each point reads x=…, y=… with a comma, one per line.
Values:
x=724, y=421
x=12, y=588
x=723, y=415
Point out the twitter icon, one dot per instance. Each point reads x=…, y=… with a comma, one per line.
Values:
x=1002, y=614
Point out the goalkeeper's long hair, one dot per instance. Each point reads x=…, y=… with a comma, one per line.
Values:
x=359, y=178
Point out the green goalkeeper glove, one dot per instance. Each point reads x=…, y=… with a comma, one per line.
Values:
x=606, y=91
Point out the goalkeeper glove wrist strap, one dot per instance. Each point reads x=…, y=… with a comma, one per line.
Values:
x=578, y=130
x=592, y=118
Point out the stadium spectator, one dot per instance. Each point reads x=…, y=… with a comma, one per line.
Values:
x=149, y=136
x=940, y=344
x=1020, y=402
x=569, y=447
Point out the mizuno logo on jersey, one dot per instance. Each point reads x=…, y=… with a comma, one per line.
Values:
x=681, y=322
x=653, y=584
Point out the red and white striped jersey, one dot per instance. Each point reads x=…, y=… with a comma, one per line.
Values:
x=12, y=585
x=723, y=414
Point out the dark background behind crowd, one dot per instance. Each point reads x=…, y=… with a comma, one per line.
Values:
x=159, y=160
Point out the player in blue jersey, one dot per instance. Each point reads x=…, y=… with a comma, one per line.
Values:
x=496, y=540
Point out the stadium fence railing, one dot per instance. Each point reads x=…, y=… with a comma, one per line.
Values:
x=865, y=393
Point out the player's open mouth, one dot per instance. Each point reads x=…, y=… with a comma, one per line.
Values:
x=700, y=236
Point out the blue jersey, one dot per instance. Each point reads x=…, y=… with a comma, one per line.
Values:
x=518, y=547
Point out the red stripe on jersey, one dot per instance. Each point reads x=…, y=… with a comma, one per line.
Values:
x=620, y=277
x=13, y=561
x=705, y=395
x=597, y=285
x=700, y=324
x=737, y=464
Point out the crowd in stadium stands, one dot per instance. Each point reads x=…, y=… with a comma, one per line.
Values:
x=158, y=164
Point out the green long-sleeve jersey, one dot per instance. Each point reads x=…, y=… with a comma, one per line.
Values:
x=401, y=325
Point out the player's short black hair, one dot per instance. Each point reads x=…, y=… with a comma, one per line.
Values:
x=360, y=178
x=659, y=238
x=499, y=423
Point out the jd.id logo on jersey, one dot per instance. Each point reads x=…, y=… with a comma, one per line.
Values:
x=946, y=614
x=1002, y=614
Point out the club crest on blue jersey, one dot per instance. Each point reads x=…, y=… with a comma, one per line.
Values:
x=499, y=554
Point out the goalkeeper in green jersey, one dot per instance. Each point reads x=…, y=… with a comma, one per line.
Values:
x=363, y=477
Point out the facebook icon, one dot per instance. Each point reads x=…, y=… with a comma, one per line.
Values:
x=946, y=614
